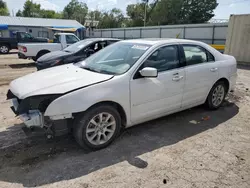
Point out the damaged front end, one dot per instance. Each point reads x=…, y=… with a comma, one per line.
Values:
x=31, y=111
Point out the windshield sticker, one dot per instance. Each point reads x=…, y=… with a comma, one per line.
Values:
x=139, y=47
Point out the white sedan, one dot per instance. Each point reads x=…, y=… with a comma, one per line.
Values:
x=125, y=84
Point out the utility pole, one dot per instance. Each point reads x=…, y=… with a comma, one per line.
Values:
x=145, y=13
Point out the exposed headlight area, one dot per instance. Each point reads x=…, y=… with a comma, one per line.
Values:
x=40, y=102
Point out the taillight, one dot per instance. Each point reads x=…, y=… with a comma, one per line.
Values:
x=22, y=48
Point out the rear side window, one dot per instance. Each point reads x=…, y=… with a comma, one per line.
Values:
x=196, y=54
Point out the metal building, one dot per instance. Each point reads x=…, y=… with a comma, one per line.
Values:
x=39, y=27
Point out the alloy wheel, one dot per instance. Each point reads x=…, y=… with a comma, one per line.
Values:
x=101, y=128
x=218, y=95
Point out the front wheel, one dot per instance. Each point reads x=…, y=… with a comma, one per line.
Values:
x=97, y=127
x=216, y=95
x=4, y=49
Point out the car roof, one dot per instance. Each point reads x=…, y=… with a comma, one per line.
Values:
x=155, y=41
x=102, y=39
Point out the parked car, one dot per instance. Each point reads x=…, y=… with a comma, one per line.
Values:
x=74, y=53
x=7, y=44
x=37, y=50
x=125, y=84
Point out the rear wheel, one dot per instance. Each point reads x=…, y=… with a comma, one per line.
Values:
x=97, y=127
x=216, y=95
x=4, y=49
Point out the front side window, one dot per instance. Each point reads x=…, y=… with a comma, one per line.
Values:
x=115, y=59
x=196, y=54
x=164, y=58
x=70, y=39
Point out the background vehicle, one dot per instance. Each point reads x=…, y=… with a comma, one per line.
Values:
x=36, y=50
x=74, y=53
x=125, y=84
x=6, y=44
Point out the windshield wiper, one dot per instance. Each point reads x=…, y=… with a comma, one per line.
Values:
x=106, y=72
x=90, y=69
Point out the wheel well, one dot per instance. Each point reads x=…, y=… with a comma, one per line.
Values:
x=116, y=106
x=225, y=81
x=41, y=52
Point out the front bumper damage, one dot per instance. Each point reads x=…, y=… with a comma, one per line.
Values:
x=35, y=120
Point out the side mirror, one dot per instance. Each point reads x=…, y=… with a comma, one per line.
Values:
x=149, y=72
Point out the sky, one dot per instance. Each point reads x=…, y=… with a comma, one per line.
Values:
x=223, y=11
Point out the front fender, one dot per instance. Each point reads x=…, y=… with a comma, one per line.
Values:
x=82, y=99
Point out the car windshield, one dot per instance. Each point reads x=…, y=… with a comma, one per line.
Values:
x=115, y=59
x=77, y=46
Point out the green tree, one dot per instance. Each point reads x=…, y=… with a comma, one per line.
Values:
x=95, y=15
x=50, y=14
x=19, y=13
x=75, y=10
x=164, y=12
x=109, y=19
x=197, y=11
x=136, y=13
x=3, y=9
x=31, y=9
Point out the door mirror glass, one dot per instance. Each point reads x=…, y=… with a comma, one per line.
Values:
x=149, y=72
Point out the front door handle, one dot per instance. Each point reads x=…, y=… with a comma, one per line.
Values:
x=213, y=69
x=177, y=78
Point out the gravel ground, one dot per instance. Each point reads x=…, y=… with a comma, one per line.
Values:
x=193, y=148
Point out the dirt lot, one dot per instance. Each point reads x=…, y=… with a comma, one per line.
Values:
x=194, y=148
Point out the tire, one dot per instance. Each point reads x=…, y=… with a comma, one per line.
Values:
x=90, y=122
x=4, y=49
x=34, y=59
x=217, y=93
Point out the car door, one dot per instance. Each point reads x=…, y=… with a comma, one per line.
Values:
x=154, y=97
x=201, y=73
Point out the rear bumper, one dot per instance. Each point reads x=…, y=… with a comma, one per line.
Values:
x=21, y=56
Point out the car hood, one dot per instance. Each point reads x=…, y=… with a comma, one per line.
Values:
x=53, y=56
x=57, y=80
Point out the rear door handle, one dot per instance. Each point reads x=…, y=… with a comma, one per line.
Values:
x=213, y=69
x=177, y=78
